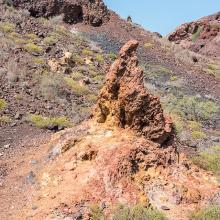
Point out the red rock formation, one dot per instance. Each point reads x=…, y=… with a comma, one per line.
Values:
x=207, y=31
x=125, y=102
x=93, y=12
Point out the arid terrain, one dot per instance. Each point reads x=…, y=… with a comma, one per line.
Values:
x=102, y=119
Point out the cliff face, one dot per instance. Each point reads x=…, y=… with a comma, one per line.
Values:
x=93, y=12
x=202, y=36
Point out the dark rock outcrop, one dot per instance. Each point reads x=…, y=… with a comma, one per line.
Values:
x=125, y=102
x=93, y=12
x=201, y=36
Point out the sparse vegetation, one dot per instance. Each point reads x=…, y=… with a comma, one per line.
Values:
x=33, y=48
x=50, y=40
x=77, y=88
x=3, y=104
x=112, y=56
x=5, y=120
x=173, y=78
x=196, y=35
x=209, y=160
x=137, y=212
x=148, y=45
x=192, y=107
x=87, y=52
x=45, y=122
x=99, y=58
x=96, y=213
x=198, y=135
x=210, y=213
x=7, y=27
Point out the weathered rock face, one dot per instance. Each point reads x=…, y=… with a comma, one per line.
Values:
x=124, y=101
x=93, y=12
x=200, y=36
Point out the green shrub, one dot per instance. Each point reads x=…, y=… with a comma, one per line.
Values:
x=61, y=30
x=192, y=108
x=78, y=59
x=210, y=213
x=45, y=122
x=76, y=75
x=209, y=160
x=31, y=36
x=198, y=135
x=148, y=45
x=112, y=56
x=33, y=48
x=50, y=40
x=157, y=71
x=173, y=78
x=87, y=52
x=137, y=212
x=96, y=213
x=195, y=126
x=38, y=60
x=3, y=104
x=99, y=58
x=7, y=27
x=5, y=120
x=196, y=35
x=76, y=87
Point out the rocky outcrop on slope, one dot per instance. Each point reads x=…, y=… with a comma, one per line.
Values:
x=124, y=101
x=202, y=36
x=93, y=12
x=105, y=164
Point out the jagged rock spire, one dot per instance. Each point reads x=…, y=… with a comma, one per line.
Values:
x=123, y=101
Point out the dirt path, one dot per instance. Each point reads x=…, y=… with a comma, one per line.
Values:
x=20, y=158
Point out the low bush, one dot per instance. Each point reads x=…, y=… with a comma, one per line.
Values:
x=76, y=87
x=210, y=213
x=99, y=58
x=198, y=135
x=5, y=120
x=50, y=40
x=192, y=107
x=7, y=27
x=96, y=213
x=45, y=122
x=137, y=212
x=209, y=160
x=31, y=36
x=196, y=35
x=87, y=52
x=148, y=45
x=112, y=56
x=33, y=48
x=3, y=104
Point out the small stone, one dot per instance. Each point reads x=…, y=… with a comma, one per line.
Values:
x=163, y=207
x=34, y=207
x=7, y=146
x=33, y=162
x=31, y=177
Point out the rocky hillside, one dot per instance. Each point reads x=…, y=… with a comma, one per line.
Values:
x=93, y=12
x=202, y=36
x=54, y=56
x=80, y=181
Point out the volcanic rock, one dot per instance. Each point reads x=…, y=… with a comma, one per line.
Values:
x=93, y=12
x=200, y=36
x=123, y=101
